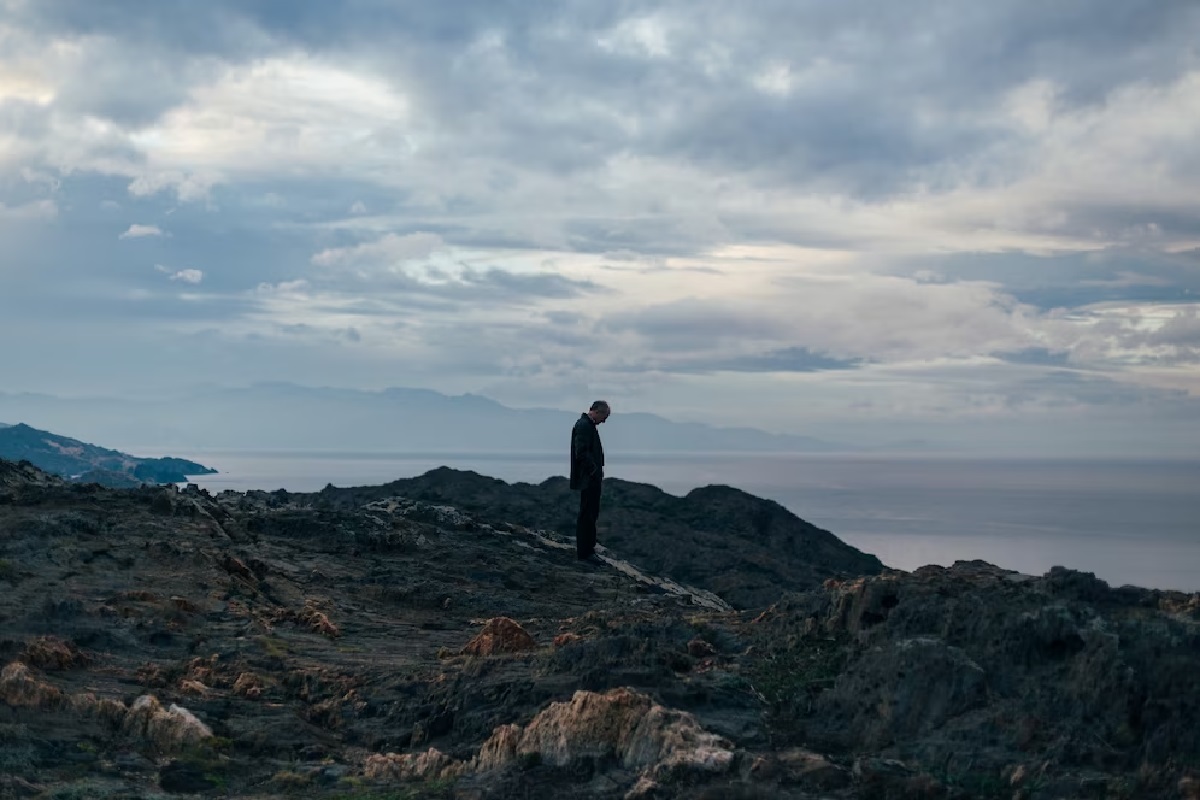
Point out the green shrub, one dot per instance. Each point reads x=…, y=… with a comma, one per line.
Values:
x=790, y=676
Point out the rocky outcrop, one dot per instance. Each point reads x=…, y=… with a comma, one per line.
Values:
x=500, y=635
x=1059, y=670
x=167, y=730
x=591, y=729
x=745, y=549
x=621, y=725
x=16, y=475
x=429, y=765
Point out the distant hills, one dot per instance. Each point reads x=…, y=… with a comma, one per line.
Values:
x=87, y=463
x=284, y=416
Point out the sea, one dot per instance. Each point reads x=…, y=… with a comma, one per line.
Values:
x=1128, y=521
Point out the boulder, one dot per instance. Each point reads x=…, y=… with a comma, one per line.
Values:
x=500, y=635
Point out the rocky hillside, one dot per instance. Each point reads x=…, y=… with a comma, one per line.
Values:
x=87, y=463
x=746, y=549
x=156, y=642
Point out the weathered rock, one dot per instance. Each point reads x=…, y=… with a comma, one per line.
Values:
x=746, y=549
x=431, y=764
x=620, y=724
x=52, y=653
x=167, y=729
x=16, y=475
x=800, y=767
x=500, y=635
x=19, y=687
x=248, y=685
x=933, y=664
x=903, y=689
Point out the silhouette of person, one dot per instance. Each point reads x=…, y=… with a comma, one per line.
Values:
x=587, y=476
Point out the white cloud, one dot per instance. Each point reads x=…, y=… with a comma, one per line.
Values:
x=193, y=276
x=386, y=251
x=276, y=116
x=188, y=186
x=638, y=36
x=137, y=231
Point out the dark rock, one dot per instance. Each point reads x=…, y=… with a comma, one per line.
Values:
x=182, y=777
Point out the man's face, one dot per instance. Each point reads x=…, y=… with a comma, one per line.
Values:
x=601, y=416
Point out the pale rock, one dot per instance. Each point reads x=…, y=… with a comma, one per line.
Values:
x=169, y=729
x=433, y=764
x=620, y=724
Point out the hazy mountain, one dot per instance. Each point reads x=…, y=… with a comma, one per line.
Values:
x=287, y=416
x=85, y=462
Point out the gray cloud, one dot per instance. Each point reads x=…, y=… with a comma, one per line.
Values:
x=788, y=359
x=692, y=324
x=1070, y=388
x=1039, y=356
x=946, y=179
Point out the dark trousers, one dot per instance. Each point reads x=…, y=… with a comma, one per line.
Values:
x=585, y=526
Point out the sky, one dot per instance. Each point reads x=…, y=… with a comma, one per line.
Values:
x=970, y=224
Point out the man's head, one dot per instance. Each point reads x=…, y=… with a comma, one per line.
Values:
x=599, y=412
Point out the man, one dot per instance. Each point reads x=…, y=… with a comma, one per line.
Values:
x=587, y=474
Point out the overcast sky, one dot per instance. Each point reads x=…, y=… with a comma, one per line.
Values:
x=968, y=222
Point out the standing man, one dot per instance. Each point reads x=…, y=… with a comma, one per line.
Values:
x=587, y=474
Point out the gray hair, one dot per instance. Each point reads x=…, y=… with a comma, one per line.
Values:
x=600, y=405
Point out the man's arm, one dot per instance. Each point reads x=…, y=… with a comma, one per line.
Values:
x=581, y=448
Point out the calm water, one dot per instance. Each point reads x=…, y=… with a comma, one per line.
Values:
x=1134, y=522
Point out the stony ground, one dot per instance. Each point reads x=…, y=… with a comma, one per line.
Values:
x=374, y=645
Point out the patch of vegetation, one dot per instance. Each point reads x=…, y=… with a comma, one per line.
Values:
x=289, y=781
x=274, y=646
x=8, y=570
x=208, y=758
x=791, y=675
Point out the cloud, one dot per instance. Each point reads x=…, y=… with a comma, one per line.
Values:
x=386, y=251
x=686, y=201
x=136, y=231
x=192, y=276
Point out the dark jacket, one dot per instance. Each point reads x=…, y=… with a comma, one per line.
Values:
x=587, y=454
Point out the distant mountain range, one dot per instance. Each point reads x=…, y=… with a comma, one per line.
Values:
x=87, y=463
x=284, y=416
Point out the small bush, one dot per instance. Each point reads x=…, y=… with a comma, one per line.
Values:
x=289, y=781
x=789, y=677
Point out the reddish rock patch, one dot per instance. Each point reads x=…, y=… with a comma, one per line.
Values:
x=500, y=635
